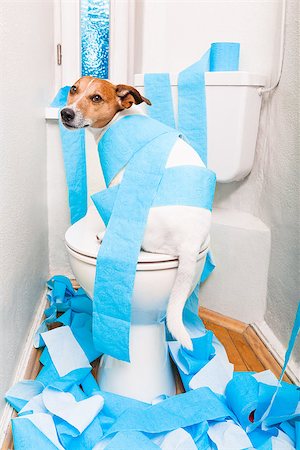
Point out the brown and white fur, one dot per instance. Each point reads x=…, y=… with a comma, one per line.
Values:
x=174, y=230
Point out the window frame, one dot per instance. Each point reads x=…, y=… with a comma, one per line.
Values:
x=121, y=41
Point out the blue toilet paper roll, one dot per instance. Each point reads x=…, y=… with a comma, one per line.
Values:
x=73, y=147
x=224, y=56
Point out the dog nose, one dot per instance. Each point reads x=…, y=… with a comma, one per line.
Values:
x=67, y=114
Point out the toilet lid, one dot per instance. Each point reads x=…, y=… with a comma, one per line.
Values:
x=81, y=238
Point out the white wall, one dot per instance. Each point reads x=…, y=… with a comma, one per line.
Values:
x=271, y=191
x=26, y=80
x=279, y=205
x=172, y=34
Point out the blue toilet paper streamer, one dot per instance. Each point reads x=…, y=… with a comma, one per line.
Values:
x=191, y=116
x=170, y=191
x=73, y=146
x=191, y=110
x=292, y=341
x=270, y=413
x=192, y=105
x=61, y=97
x=144, y=145
x=124, y=139
x=118, y=254
x=192, y=122
x=46, y=416
x=158, y=89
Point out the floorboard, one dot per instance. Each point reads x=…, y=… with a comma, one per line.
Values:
x=224, y=337
x=244, y=347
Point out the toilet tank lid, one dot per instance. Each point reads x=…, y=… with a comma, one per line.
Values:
x=235, y=78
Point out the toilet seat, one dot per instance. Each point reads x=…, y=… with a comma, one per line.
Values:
x=81, y=241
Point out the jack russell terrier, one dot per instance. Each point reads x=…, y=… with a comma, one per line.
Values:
x=176, y=230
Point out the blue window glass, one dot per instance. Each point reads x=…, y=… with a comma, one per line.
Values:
x=94, y=38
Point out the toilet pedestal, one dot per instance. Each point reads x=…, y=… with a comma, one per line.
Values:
x=149, y=374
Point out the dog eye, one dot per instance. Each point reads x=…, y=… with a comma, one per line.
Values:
x=96, y=98
x=73, y=90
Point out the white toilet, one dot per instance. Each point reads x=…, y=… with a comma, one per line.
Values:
x=149, y=373
x=233, y=107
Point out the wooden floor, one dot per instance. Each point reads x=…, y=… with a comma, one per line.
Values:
x=244, y=348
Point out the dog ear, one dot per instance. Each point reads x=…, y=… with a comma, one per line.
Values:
x=129, y=95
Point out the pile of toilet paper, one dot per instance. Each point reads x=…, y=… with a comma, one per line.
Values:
x=63, y=408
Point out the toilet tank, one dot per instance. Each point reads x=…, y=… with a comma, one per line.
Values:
x=233, y=108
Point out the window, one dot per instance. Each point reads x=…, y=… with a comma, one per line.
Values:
x=93, y=37
x=94, y=27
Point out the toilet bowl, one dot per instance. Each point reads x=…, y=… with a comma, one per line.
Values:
x=149, y=373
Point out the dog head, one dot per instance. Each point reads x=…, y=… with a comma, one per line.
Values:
x=94, y=102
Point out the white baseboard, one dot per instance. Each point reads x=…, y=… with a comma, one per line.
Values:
x=23, y=363
x=277, y=349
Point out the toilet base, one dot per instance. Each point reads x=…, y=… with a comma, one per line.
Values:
x=148, y=375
